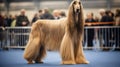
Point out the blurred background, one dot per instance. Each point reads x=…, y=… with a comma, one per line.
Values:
x=32, y=6
x=102, y=20
x=101, y=31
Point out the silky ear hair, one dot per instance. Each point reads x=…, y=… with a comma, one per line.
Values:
x=71, y=49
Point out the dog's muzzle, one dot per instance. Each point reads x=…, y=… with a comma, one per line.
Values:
x=77, y=10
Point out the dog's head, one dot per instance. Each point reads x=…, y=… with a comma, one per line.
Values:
x=76, y=5
x=75, y=14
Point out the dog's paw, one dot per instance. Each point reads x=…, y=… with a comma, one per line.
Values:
x=68, y=62
x=82, y=62
x=29, y=62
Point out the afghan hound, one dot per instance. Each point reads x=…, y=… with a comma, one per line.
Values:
x=64, y=35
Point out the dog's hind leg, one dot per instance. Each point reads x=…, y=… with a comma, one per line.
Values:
x=32, y=50
x=33, y=45
x=66, y=50
x=41, y=55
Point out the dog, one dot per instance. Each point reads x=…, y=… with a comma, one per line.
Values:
x=64, y=35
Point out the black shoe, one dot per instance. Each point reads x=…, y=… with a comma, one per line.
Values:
x=39, y=62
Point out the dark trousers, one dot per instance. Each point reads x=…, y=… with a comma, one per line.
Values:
x=89, y=35
x=107, y=36
x=117, y=37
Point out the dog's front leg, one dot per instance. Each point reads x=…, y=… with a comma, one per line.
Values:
x=66, y=50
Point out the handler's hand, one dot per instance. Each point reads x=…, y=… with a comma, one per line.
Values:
x=23, y=23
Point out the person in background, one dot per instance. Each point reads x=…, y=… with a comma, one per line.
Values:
x=22, y=21
x=40, y=13
x=35, y=18
x=13, y=23
x=8, y=20
x=97, y=19
x=90, y=17
x=90, y=32
x=102, y=13
x=2, y=24
x=106, y=16
x=117, y=17
x=2, y=29
x=100, y=32
x=117, y=30
x=56, y=14
x=46, y=15
x=12, y=37
x=62, y=14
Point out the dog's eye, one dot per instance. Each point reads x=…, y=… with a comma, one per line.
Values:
x=74, y=2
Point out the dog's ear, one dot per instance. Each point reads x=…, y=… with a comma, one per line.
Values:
x=80, y=7
x=74, y=2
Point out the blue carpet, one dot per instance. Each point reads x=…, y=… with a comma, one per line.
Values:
x=14, y=58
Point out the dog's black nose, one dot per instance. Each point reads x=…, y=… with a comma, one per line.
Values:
x=77, y=10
